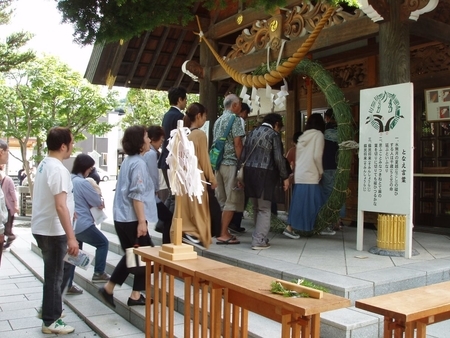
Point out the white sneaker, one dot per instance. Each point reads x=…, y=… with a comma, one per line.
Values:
x=57, y=327
x=328, y=232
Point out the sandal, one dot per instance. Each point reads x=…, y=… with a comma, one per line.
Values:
x=231, y=240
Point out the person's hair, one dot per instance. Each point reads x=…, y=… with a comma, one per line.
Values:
x=296, y=135
x=57, y=136
x=229, y=100
x=133, y=140
x=82, y=163
x=191, y=112
x=272, y=119
x=3, y=145
x=315, y=121
x=175, y=93
x=245, y=107
x=329, y=113
x=155, y=133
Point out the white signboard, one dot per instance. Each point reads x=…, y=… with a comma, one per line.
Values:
x=385, y=180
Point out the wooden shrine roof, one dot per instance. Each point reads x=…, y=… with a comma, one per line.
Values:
x=153, y=60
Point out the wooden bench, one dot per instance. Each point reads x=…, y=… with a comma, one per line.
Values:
x=235, y=290
x=410, y=310
x=164, y=272
x=250, y=291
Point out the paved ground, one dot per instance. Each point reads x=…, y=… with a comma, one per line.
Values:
x=21, y=292
x=20, y=298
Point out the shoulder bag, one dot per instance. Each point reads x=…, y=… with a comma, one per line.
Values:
x=218, y=146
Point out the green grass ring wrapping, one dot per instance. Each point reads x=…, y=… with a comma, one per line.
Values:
x=329, y=213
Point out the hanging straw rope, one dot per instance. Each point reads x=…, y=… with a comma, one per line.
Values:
x=281, y=71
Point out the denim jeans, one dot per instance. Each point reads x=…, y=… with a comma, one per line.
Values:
x=95, y=237
x=327, y=184
x=53, y=250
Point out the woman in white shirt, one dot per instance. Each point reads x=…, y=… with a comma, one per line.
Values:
x=306, y=195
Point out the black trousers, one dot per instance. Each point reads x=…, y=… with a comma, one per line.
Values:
x=126, y=231
x=165, y=215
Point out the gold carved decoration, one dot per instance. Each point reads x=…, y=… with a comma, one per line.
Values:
x=273, y=25
x=239, y=19
x=282, y=70
x=297, y=22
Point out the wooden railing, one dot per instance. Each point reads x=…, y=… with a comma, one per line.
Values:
x=221, y=299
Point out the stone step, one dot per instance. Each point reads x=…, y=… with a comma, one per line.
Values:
x=334, y=324
x=258, y=326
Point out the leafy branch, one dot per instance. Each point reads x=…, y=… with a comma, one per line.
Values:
x=278, y=288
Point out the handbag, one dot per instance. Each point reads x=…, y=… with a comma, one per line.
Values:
x=132, y=260
x=218, y=147
x=240, y=172
x=215, y=211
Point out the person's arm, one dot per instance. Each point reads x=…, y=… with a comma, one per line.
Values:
x=12, y=195
x=89, y=193
x=136, y=193
x=66, y=222
x=140, y=213
x=318, y=154
x=238, y=146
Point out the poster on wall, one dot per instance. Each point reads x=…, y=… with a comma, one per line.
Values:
x=385, y=179
x=437, y=104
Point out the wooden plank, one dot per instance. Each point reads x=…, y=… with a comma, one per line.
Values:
x=196, y=319
x=157, y=268
x=410, y=305
x=172, y=307
x=226, y=314
x=257, y=287
x=249, y=16
x=204, y=308
x=164, y=301
x=148, y=296
x=431, y=29
x=187, y=306
x=235, y=321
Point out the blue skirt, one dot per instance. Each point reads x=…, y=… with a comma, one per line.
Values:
x=305, y=204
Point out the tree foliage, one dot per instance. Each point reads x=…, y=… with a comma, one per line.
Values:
x=47, y=93
x=108, y=21
x=10, y=56
x=147, y=107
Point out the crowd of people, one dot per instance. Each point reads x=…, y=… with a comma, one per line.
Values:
x=62, y=218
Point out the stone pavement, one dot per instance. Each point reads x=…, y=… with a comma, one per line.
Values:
x=329, y=259
x=20, y=299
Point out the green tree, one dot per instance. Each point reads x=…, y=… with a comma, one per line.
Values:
x=47, y=93
x=107, y=21
x=147, y=107
x=10, y=56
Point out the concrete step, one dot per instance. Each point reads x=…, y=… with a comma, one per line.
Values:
x=258, y=326
x=342, y=323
